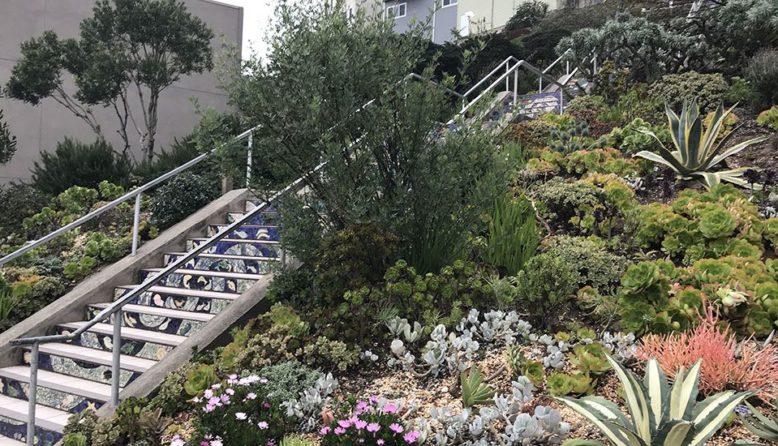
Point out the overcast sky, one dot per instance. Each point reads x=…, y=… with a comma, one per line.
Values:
x=256, y=16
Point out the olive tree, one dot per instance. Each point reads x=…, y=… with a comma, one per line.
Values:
x=7, y=142
x=385, y=162
x=128, y=50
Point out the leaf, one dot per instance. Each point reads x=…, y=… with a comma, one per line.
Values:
x=684, y=392
x=474, y=391
x=636, y=399
x=711, y=414
x=600, y=415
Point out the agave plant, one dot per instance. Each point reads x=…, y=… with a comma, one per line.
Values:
x=659, y=415
x=698, y=152
x=763, y=427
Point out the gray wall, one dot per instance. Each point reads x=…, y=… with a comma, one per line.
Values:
x=443, y=22
x=39, y=128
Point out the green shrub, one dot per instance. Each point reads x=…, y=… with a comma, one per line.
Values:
x=513, y=234
x=675, y=89
x=528, y=14
x=740, y=92
x=762, y=73
x=180, y=197
x=18, y=201
x=532, y=134
x=545, y=287
x=353, y=258
x=596, y=266
x=77, y=164
x=593, y=205
x=287, y=379
x=590, y=110
x=7, y=142
x=631, y=140
x=769, y=118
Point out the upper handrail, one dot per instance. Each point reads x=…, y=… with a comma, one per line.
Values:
x=107, y=207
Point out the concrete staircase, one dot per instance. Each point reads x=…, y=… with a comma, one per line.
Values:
x=73, y=376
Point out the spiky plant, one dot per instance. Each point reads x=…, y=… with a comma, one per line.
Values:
x=659, y=415
x=763, y=427
x=697, y=151
x=474, y=390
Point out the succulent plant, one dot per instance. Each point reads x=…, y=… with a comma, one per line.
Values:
x=660, y=414
x=763, y=427
x=474, y=390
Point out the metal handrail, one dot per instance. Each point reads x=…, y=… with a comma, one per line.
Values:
x=136, y=194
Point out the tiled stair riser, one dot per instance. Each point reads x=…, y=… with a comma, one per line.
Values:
x=48, y=397
x=80, y=369
x=159, y=323
x=237, y=248
x=248, y=232
x=250, y=266
x=141, y=349
x=18, y=431
x=201, y=282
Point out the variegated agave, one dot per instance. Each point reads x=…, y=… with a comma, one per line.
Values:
x=660, y=415
x=699, y=152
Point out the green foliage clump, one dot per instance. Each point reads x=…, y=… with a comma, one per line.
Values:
x=76, y=164
x=7, y=142
x=596, y=266
x=659, y=297
x=589, y=362
x=353, y=258
x=546, y=163
x=513, y=234
x=762, y=73
x=180, y=197
x=200, y=378
x=675, y=89
x=528, y=14
x=545, y=287
x=699, y=225
x=593, y=205
x=281, y=335
x=630, y=139
x=18, y=201
x=560, y=384
x=474, y=390
x=740, y=92
x=574, y=139
x=133, y=424
x=769, y=118
x=520, y=365
x=590, y=111
x=287, y=379
x=647, y=49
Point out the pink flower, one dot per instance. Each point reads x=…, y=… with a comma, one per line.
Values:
x=325, y=430
x=373, y=427
x=177, y=441
x=262, y=425
x=362, y=406
x=373, y=399
x=344, y=423
x=266, y=405
x=389, y=408
x=360, y=424
x=225, y=399
x=241, y=415
x=205, y=443
x=379, y=442
x=229, y=392
x=208, y=394
x=411, y=437
x=339, y=431
x=250, y=396
x=394, y=427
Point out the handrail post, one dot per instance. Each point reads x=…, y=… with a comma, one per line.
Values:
x=567, y=68
x=116, y=351
x=507, y=78
x=515, y=86
x=540, y=85
x=32, y=396
x=136, y=224
x=249, y=159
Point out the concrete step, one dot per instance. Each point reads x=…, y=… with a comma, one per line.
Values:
x=59, y=382
x=133, y=334
x=263, y=218
x=249, y=232
x=94, y=356
x=45, y=417
x=225, y=262
x=5, y=441
x=162, y=312
x=255, y=248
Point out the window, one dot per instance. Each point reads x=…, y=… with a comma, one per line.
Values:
x=448, y=2
x=397, y=11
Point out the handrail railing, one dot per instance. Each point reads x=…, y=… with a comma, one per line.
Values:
x=136, y=194
x=551, y=65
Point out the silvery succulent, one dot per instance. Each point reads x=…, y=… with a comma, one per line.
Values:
x=308, y=406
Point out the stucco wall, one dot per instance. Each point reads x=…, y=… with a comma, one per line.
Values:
x=489, y=15
x=39, y=128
